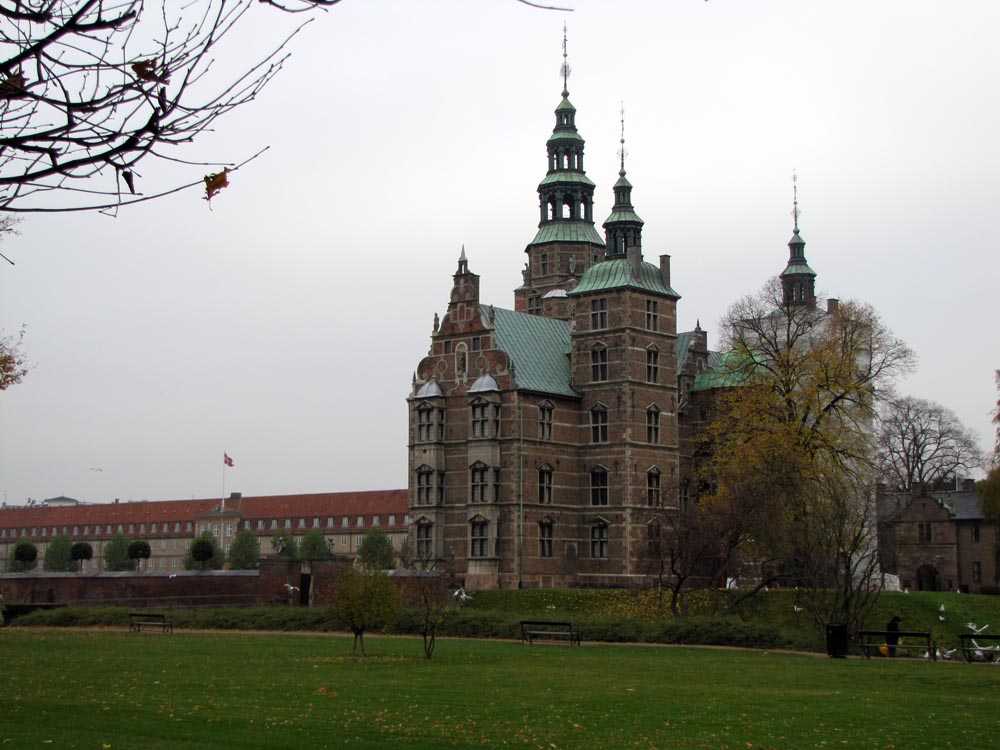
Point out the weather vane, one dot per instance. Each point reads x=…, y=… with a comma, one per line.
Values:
x=565, y=70
x=795, y=201
x=622, y=152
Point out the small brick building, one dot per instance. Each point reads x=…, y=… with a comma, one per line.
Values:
x=937, y=541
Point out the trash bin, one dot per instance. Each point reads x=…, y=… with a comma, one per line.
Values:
x=836, y=640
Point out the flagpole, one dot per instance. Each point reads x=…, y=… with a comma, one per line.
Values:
x=224, y=467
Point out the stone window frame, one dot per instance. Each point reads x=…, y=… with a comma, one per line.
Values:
x=652, y=364
x=654, y=493
x=600, y=540
x=599, y=423
x=653, y=424
x=545, y=476
x=599, y=494
x=479, y=483
x=598, y=313
x=546, y=533
x=479, y=537
x=599, y=363
x=546, y=413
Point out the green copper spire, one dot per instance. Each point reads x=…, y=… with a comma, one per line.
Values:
x=566, y=194
x=623, y=228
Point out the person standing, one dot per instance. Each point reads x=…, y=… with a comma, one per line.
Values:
x=892, y=635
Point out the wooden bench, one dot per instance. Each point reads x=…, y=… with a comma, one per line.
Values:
x=566, y=631
x=138, y=620
x=875, y=640
x=972, y=647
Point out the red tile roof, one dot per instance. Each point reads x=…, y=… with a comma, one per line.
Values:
x=323, y=505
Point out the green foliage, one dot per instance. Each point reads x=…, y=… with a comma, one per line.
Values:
x=59, y=555
x=284, y=545
x=116, y=554
x=314, y=546
x=204, y=553
x=244, y=552
x=375, y=551
x=139, y=550
x=364, y=601
x=81, y=551
x=23, y=557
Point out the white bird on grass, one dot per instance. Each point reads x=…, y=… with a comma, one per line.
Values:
x=290, y=588
x=796, y=608
x=941, y=609
x=461, y=596
x=974, y=628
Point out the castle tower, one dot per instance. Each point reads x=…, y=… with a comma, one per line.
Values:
x=798, y=280
x=566, y=243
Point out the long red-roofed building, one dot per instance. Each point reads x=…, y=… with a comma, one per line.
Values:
x=170, y=525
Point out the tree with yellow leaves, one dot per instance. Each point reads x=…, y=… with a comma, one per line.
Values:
x=792, y=445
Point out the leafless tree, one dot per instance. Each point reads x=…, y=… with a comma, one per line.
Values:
x=921, y=441
x=89, y=88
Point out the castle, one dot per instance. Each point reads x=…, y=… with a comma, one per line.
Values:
x=545, y=439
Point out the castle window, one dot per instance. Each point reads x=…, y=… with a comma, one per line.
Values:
x=975, y=531
x=653, y=488
x=652, y=365
x=924, y=533
x=598, y=314
x=599, y=487
x=652, y=315
x=977, y=572
x=543, y=264
x=545, y=538
x=479, y=538
x=425, y=541
x=653, y=425
x=654, y=538
x=440, y=488
x=545, y=421
x=534, y=305
x=480, y=419
x=425, y=423
x=599, y=541
x=545, y=485
x=599, y=364
x=479, y=483
x=598, y=425
x=425, y=486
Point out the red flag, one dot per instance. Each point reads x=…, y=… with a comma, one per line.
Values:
x=227, y=460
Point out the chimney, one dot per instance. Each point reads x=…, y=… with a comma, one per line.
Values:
x=832, y=305
x=665, y=270
x=236, y=496
x=634, y=256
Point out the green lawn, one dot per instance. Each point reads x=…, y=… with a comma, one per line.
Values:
x=91, y=689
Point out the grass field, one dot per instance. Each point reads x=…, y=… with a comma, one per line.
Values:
x=98, y=689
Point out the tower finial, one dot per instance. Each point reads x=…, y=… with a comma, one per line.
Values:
x=622, y=153
x=795, y=202
x=565, y=70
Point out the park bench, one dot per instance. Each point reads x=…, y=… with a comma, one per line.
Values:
x=532, y=629
x=910, y=641
x=971, y=647
x=138, y=620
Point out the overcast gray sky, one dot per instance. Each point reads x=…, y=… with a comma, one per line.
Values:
x=284, y=324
